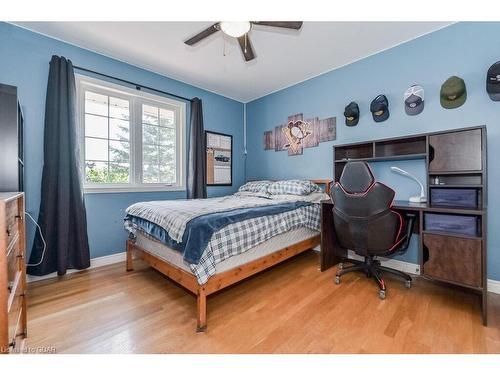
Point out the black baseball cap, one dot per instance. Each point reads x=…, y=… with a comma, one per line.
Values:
x=351, y=113
x=379, y=108
x=493, y=82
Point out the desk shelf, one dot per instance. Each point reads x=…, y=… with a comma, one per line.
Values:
x=448, y=234
x=455, y=210
x=409, y=206
x=385, y=158
x=433, y=173
x=458, y=186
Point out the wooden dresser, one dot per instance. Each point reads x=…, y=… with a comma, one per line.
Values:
x=12, y=273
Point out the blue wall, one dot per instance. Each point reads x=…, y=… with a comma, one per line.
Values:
x=24, y=62
x=464, y=49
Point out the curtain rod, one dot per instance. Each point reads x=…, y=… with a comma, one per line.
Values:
x=137, y=86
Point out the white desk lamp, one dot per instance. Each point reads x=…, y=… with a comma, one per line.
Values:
x=414, y=199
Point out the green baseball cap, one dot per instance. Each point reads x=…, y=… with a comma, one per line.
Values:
x=453, y=93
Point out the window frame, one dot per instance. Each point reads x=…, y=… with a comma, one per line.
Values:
x=136, y=99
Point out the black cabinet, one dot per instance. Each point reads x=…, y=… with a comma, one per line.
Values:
x=456, y=151
x=11, y=140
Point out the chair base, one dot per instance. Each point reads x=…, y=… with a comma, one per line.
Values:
x=372, y=269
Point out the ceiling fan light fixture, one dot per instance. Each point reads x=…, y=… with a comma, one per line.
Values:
x=235, y=29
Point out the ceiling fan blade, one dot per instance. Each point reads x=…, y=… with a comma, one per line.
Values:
x=246, y=47
x=295, y=25
x=205, y=33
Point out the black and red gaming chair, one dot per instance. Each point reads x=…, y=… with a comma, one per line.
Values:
x=365, y=223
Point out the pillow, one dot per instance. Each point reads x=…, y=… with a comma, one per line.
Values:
x=256, y=186
x=295, y=187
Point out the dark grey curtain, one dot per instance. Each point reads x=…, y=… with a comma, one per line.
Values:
x=62, y=216
x=197, y=174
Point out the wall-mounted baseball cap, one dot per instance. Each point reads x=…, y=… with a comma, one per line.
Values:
x=351, y=113
x=414, y=100
x=493, y=81
x=453, y=93
x=379, y=108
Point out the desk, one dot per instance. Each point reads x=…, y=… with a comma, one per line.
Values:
x=451, y=259
x=454, y=159
x=409, y=206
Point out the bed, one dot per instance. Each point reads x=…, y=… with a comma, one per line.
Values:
x=206, y=245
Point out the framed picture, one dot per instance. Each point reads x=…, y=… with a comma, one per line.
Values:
x=219, y=159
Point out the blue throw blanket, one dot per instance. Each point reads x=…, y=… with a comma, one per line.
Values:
x=199, y=230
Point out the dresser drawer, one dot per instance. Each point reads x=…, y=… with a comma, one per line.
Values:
x=15, y=310
x=16, y=344
x=13, y=323
x=13, y=262
x=17, y=336
x=12, y=221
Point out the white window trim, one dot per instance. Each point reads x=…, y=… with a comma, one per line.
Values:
x=84, y=82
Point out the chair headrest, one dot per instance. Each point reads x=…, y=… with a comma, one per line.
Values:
x=356, y=177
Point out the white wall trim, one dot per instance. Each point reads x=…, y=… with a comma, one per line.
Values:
x=494, y=286
x=245, y=128
x=399, y=265
x=94, y=263
x=407, y=267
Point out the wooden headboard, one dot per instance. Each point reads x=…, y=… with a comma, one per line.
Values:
x=326, y=182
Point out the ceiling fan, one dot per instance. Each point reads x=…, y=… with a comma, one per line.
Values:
x=239, y=30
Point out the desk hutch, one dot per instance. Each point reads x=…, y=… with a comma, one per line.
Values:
x=454, y=159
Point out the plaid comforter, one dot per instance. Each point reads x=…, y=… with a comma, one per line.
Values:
x=239, y=237
x=173, y=215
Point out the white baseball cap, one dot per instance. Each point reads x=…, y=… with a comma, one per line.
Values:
x=414, y=100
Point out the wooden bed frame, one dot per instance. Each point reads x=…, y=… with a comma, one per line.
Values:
x=224, y=279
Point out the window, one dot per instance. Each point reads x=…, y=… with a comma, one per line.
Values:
x=132, y=141
x=158, y=145
x=107, y=139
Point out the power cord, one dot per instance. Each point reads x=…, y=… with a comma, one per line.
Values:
x=43, y=240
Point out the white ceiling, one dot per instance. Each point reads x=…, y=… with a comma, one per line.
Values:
x=284, y=57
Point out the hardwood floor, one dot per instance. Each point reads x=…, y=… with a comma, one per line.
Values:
x=291, y=308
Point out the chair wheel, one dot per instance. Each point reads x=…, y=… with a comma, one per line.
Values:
x=340, y=266
x=381, y=294
x=408, y=284
x=337, y=279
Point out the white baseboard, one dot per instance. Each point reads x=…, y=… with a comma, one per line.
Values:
x=494, y=286
x=407, y=267
x=94, y=263
x=399, y=265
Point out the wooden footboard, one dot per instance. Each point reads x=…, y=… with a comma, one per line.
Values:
x=218, y=281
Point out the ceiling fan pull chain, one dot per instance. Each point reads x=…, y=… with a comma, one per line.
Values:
x=224, y=47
